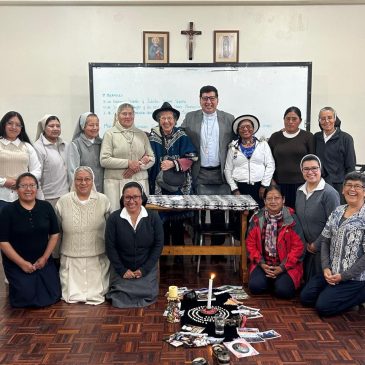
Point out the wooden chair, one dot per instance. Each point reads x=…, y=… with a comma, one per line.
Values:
x=205, y=230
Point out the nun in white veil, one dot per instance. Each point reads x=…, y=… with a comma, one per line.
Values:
x=85, y=147
x=84, y=266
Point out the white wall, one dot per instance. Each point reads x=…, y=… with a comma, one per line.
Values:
x=45, y=51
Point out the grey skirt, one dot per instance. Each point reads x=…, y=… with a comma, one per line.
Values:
x=131, y=293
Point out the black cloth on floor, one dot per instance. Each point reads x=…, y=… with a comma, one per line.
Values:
x=230, y=332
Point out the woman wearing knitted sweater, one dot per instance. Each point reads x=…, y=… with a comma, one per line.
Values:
x=126, y=155
x=82, y=213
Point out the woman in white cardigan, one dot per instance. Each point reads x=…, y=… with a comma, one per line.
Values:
x=249, y=165
x=82, y=213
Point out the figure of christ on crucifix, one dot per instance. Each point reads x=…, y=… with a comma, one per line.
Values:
x=191, y=33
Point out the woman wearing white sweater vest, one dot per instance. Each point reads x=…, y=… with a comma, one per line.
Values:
x=84, y=270
x=17, y=156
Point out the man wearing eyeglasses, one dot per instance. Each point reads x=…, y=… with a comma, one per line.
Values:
x=210, y=131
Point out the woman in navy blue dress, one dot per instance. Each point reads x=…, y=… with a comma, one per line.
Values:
x=28, y=234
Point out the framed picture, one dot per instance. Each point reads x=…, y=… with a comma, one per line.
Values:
x=156, y=47
x=226, y=46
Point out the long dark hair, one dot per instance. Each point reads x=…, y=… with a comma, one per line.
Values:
x=22, y=135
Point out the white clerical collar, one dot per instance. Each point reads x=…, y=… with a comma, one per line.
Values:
x=290, y=135
x=327, y=137
x=125, y=215
x=320, y=186
x=6, y=141
x=210, y=116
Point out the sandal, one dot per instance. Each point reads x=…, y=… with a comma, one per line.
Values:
x=220, y=355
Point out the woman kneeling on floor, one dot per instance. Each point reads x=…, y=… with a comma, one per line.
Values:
x=342, y=283
x=134, y=241
x=275, y=247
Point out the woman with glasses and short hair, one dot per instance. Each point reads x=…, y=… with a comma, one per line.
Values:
x=134, y=241
x=17, y=155
x=85, y=148
x=335, y=148
x=315, y=201
x=275, y=247
x=341, y=285
x=82, y=213
x=28, y=234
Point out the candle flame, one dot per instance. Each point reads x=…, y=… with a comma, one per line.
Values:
x=212, y=276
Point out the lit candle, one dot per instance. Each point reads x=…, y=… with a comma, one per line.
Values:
x=210, y=290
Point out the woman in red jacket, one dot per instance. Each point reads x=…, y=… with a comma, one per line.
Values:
x=275, y=247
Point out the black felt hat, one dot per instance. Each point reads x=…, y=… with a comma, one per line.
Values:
x=166, y=107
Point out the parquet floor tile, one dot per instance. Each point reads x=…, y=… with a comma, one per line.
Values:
x=79, y=334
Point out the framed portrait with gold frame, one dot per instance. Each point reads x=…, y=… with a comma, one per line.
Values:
x=155, y=47
x=226, y=46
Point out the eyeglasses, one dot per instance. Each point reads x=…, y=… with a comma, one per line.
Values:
x=357, y=187
x=310, y=169
x=243, y=127
x=169, y=119
x=328, y=119
x=128, y=198
x=14, y=125
x=211, y=98
x=127, y=114
x=274, y=199
x=27, y=186
x=81, y=180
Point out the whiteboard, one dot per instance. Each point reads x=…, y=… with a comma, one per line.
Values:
x=265, y=90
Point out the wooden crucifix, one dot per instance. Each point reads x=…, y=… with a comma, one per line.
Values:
x=191, y=33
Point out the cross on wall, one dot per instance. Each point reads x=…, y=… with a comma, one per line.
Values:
x=191, y=33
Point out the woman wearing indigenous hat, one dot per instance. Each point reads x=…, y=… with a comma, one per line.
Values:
x=52, y=154
x=288, y=147
x=249, y=164
x=126, y=155
x=85, y=148
x=314, y=203
x=174, y=154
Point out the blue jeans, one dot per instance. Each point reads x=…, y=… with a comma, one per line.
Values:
x=332, y=299
x=282, y=285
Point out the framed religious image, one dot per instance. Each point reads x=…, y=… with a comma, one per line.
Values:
x=226, y=46
x=156, y=47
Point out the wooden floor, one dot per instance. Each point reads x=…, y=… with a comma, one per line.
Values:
x=83, y=334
